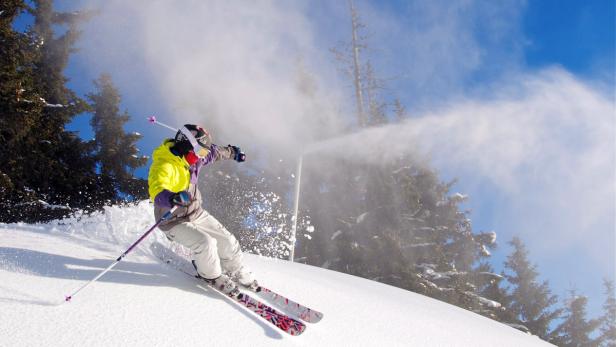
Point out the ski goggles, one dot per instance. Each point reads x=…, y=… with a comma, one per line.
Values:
x=200, y=148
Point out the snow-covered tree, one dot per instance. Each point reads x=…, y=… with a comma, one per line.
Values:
x=16, y=60
x=46, y=170
x=116, y=152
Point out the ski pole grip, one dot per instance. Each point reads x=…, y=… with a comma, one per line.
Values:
x=169, y=214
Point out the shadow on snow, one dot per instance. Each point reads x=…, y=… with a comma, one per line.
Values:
x=59, y=266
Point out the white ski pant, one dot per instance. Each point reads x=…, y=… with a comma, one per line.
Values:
x=213, y=247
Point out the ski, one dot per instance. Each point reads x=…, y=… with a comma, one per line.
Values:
x=282, y=321
x=287, y=305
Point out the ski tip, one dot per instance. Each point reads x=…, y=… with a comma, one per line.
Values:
x=316, y=317
x=311, y=317
x=296, y=331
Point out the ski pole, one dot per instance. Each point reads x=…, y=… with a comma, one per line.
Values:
x=152, y=120
x=163, y=218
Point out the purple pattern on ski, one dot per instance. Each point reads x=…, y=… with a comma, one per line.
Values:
x=282, y=321
x=304, y=313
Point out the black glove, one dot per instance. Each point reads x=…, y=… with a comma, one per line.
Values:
x=180, y=199
x=238, y=155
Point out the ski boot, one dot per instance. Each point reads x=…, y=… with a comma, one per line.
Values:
x=246, y=278
x=224, y=284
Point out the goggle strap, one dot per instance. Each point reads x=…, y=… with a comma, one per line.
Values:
x=191, y=138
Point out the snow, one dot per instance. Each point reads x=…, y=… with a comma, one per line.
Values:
x=54, y=105
x=425, y=244
x=492, y=235
x=484, y=301
x=43, y=101
x=459, y=196
x=44, y=204
x=361, y=217
x=492, y=275
x=336, y=234
x=143, y=302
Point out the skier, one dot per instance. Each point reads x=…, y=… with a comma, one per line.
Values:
x=172, y=181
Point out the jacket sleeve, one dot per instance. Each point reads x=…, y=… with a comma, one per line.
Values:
x=159, y=182
x=163, y=199
x=219, y=153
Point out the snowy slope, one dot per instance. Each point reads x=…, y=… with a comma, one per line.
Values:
x=143, y=302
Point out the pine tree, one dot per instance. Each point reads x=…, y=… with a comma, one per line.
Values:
x=608, y=320
x=575, y=330
x=376, y=107
x=393, y=221
x=44, y=166
x=531, y=301
x=490, y=287
x=400, y=113
x=16, y=59
x=116, y=151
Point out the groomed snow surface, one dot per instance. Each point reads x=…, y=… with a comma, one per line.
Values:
x=143, y=302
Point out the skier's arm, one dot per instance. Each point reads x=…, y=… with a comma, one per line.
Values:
x=224, y=153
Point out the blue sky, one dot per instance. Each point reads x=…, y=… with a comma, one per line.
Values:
x=578, y=35
x=441, y=54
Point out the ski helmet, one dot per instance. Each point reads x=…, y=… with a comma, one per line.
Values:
x=194, y=138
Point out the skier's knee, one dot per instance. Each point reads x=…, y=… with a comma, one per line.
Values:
x=206, y=246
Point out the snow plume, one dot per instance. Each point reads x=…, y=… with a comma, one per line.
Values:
x=260, y=73
x=246, y=70
x=543, y=143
